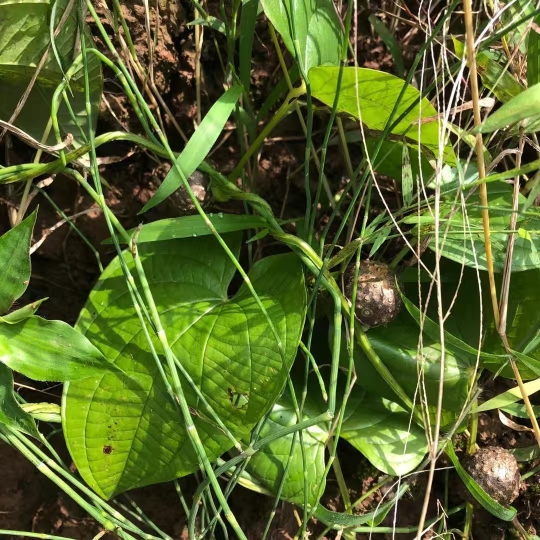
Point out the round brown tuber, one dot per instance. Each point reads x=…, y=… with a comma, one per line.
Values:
x=496, y=471
x=377, y=297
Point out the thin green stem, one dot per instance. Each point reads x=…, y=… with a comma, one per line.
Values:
x=284, y=109
x=316, y=370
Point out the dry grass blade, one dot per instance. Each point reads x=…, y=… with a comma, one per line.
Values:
x=469, y=29
x=32, y=142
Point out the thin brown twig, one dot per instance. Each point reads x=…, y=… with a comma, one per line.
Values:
x=198, y=38
x=505, y=291
x=469, y=30
x=50, y=230
x=7, y=126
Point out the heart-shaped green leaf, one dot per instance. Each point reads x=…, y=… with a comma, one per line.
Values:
x=15, y=257
x=268, y=464
x=25, y=37
x=313, y=24
x=399, y=351
x=384, y=432
x=11, y=413
x=123, y=430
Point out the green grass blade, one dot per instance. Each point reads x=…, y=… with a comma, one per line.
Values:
x=390, y=41
x=186, y=226
x=198, y=146
x=211, y=22
x=247, y=31
x=519, y=108
x=533, y=55
x=509, y=397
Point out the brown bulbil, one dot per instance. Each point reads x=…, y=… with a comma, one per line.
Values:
x=377, y=298
x=496, y=471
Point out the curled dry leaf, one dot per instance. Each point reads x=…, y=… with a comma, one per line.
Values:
x=511, y=424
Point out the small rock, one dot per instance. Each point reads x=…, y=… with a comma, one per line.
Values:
x=377, y=297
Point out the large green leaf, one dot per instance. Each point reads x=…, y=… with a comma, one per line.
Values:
x=398, y=347
x=384, y=432
x=11, y=413
x=124, y=431
x=268, y=464
x=15, y=257
x=462, y=239
x=315, y=26
x=49, y=351
x=24, y=38
x=523, y=321
x=370, y=96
